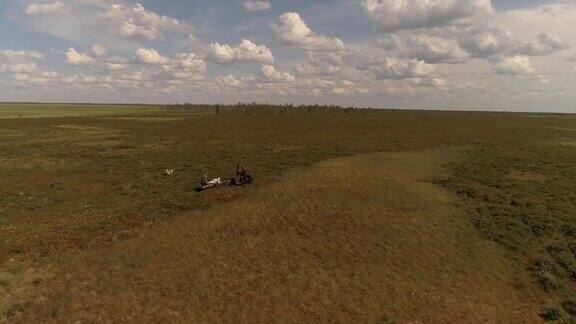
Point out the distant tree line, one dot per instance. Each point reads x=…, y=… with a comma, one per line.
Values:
x=255, y=108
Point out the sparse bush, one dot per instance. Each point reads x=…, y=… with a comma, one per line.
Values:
x=546, y=274
x=551, y=314
x=385, y=320
x=565, y=258
x=569, y=306
x=525, y=216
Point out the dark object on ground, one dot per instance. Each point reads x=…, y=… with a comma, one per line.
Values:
x=240, y=178
x=551, y=314
x=245, y=178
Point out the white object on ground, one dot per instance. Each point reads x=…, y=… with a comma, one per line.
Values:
x=217, y=181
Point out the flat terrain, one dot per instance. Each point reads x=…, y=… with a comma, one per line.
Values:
x=71, y=110
x=355, y=216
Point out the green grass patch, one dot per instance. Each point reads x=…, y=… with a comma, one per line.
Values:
x=524, y=198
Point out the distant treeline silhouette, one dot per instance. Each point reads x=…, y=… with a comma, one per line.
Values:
x=256, y=108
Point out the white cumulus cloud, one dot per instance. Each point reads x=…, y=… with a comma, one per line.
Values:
x=190, y=62
x=150, y=56
x=294, y=31
x=138, y=23
x=516, y=65
x=394, y=15
x=430, y=49
x=270, y=73
x=73, y=57
x=389, y=68
x=228, y=81
x=246, y=51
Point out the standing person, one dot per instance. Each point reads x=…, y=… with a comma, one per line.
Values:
x=240, y=175
x=240, y=172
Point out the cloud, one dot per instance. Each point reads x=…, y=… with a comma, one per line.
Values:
x=24, y=68
x=150, y=56
x=256, y=5
x=548, y=26
x=80, y=79
x=363, y=64
x=98, y=50
x=270, y=73
x=429, y=82
x=490, y=41
x=246, y=51
x=430, y=49
x=485, y=41
x=394, y=15
x=410, y=64
x=389, y=68
x=36, y=79
x=516, y=65
x=45, y=9
x=293, y=31
x=115, y=63
x=136, y=22
x=20, y=54
x=85, y=21
x=190, y=62
x=325, y=64
x=73, y=57
x=554, y=41
x=114, y=66
x=228, y=81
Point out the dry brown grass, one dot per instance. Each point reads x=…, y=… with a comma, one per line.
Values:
x=527, y=176
x=354, y=239
x=564, y=129
x=147, y=119
x=31, y=162
x=19, y=288
x=565, y=143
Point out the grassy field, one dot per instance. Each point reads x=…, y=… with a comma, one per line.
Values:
x=8, y=110
x=355, y=216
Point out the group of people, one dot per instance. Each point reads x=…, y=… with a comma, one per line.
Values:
x=241, y=176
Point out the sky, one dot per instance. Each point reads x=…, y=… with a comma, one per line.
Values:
x=502, y=55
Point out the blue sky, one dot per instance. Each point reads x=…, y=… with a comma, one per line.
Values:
x=449, y=54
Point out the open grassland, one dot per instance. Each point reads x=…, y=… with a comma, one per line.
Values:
x=8, y=110
x=477, y=226
x=301, y=251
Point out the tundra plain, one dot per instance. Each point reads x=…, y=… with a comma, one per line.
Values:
x=355, y=215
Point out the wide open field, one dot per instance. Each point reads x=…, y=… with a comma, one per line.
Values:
x=8, y=110
x=355, y=216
